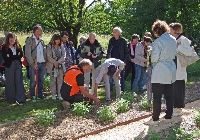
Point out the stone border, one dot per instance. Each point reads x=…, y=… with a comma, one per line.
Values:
x=17, y=121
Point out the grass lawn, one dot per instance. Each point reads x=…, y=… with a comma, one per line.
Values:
x=15, y=112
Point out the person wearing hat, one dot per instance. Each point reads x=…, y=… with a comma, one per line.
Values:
x=110, y=68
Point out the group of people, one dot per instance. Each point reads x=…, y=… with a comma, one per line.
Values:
x=152, y=64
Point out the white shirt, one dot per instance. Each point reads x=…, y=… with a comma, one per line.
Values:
x=104, y=68
x=40, y=55
x=13, y=50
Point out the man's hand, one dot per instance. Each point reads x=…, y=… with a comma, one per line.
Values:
x=118, y=76
x=132, y=60
x=94, y=56
x=56, y=64
x=8, y=55
x=89, y=54
x=95, y=90
x=34, y=66
x=96, y=101
x=18, y=53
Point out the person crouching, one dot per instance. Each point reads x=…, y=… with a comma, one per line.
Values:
x=73, y=89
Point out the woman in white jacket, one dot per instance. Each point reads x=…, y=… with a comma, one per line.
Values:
x=183, y=46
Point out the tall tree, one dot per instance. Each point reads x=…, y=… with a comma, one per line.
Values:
x=55, y=14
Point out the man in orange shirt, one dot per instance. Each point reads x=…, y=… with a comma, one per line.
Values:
x=73, y=88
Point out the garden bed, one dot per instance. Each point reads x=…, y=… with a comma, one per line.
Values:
x=68, y=126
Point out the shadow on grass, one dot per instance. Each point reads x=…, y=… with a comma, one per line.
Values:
x=11, y=113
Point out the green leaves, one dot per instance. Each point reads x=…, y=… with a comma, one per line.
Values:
x=81, y=109
x=129, y=96
x=122, y=106
x=45, y=117
x=106, y=113
x=197, y=119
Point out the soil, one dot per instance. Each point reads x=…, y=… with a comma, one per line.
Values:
x=68, y=126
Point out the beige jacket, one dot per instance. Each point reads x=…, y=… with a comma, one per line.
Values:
x=31, y=56
x=51, y=59
x=139, y=55
x=184, y=48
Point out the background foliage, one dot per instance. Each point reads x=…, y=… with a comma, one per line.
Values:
x=77, y=16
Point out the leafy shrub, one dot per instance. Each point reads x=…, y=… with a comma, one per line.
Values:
x=45, y=117
x=154, y=136
x=81, y=109
x=122, y=106
x=106, y=113
x=129, y=96
x=197, y=119
x=180, y=134
x=144, y=103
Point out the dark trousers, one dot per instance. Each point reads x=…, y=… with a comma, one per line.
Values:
x=129, y=68
x=158, y=90
x=2, y=70
x=41, y=74
x=14, y=89
x=65, y=93
x=179, y=93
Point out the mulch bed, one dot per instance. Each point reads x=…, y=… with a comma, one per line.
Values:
x=68, y=126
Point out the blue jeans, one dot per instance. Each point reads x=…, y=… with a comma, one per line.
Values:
x=41, y=74
x=139, y=77
x=122, y=82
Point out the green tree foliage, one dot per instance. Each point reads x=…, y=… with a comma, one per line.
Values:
x=137, y=16
x=54, y=14
x=133, y=16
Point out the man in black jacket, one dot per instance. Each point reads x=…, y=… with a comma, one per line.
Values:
x=117, y=48
x=91, y=49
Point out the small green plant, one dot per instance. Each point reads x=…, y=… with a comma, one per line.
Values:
x=180, y=134
x=154, y=136
x=81, y=109
x=196, y=134
x=106, y=113
x=197, y=119
x=45, y=117
x=122, y=106
x=144, y=103
x=129, y=96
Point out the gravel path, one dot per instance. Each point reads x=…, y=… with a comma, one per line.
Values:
x=137, y=130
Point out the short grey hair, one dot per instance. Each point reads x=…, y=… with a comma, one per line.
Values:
x=92, y=34
x=83, y=38
x=118, y=29
x=85, y=62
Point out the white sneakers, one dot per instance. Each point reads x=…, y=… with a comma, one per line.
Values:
x=54, y=97
x=152, y=123
x=144, y=87
x=60, y=98
x=177, y=112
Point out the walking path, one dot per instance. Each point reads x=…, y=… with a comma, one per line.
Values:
x=137, y=130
